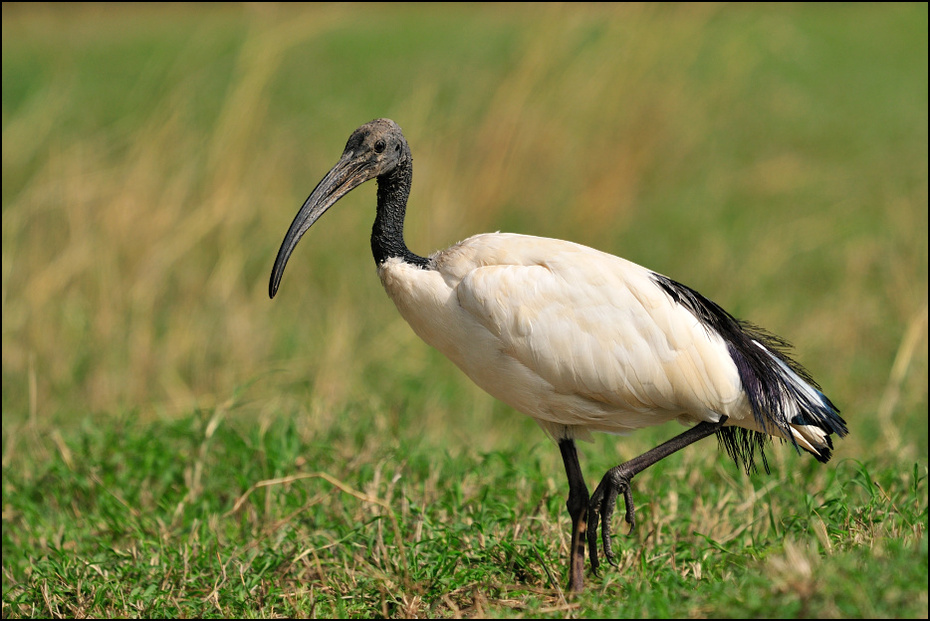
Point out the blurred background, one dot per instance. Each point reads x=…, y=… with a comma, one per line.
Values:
x=773, y=157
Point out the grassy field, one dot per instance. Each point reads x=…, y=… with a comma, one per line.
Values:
x=177, y=445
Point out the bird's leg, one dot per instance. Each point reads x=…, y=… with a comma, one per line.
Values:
x=618, y=479
x=578, y=510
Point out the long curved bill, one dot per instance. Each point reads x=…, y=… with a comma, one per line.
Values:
x=348, y=173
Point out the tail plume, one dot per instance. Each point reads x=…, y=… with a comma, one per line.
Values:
x=786, y=402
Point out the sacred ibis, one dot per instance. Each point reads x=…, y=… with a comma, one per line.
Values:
x=578, y=339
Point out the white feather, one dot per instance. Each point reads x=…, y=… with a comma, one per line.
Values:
x=576, y=338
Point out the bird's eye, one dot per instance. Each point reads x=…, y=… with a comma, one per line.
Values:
x=379, y=146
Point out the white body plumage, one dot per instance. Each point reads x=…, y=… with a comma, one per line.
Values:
x=578, y=339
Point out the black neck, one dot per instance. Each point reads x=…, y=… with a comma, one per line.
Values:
x=387, y=234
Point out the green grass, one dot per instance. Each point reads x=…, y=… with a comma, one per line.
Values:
x=196, y=518
x=175, y=444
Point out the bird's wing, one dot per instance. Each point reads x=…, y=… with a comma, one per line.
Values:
x=597, y=326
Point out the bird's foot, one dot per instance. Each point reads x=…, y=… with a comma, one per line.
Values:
x=602, y=503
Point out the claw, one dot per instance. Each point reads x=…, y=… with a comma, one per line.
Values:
x=630, y=509
x=601, y=510
x=607, y=512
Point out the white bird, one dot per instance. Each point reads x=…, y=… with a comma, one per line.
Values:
x=579, y=340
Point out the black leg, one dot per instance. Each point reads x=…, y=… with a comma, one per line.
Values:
x=578, y=510
x=617, y=481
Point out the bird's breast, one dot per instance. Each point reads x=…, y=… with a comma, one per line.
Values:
x=428, y=301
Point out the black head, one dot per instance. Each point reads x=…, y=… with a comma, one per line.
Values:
x=378, y=145
x=375, y=149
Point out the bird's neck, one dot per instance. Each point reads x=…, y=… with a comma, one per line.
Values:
x=387, y=234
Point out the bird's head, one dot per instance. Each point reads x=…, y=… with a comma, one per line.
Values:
x=375, y=149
